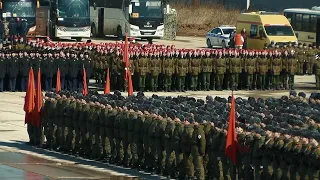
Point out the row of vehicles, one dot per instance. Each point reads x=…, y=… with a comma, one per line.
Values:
x=264, y=28
x=85, y=18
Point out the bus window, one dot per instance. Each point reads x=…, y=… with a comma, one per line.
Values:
x=298, y=24
x=313, y=23
x=306, y=23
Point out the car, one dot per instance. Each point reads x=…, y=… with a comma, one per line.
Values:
x=219, y=36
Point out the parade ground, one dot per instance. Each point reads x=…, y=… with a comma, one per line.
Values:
x=21, y=161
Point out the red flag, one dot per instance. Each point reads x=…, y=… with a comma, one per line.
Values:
x=231, y=141
x=38, y=102
x=126, y=61
x=130, y=87
x=29, y=103
x=107, y=85
x=58, y=83
x=85, y=87
x=126, y=57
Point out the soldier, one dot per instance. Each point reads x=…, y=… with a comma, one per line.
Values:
x=73, y=67
x=70, y=137
x=3, y=69
x=142, y=65
x=262, y=68
x=62, y=64
x=182, y=70
x=118, y=71
x=198, y=149
x=168, y=67
x=257, y=153
x=276, y=69
x=250, y=67
x=155, y=70
x=83, y=118
x=221, y=66
x=301, y=56
x=137, y=145
x=235, y=69
x=309, y=59
x=24, y=66
x=49, y=69
x=124, y=148
x=12, y=70
x=94, y=135
x=188, y=170
x=317, y=73
x=207, y=69
x=131, y=121
x=117, y=157
x=178, y=149
x=292, y=68
x=194, y=68
x=110, y=141
x=76, y=126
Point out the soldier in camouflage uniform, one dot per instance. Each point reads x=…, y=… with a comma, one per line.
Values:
x=188, y=168
x=110, y=140
x=317, y=73
x=159, y=142
x=142, y=69
x=194, y=68
x=182, y=70
x=70, y=111
x=276, y=69
x=155, y=70
x=250, y=67
x=168, y=67
x=169, y=150
x=301, y=56
x=76, y=125
x=83, y=118
x=257, y=155
x=262, y=69
x=292, y=69
x=137, y=145
x=221, y=67
x=124, y=140
x=198, y=149
x=207, y=68
x=235, y=70
x=178, y=148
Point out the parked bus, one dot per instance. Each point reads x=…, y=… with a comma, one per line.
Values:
x=138, y=18
x=22, y=9
x=64, y=18
x=304, y=23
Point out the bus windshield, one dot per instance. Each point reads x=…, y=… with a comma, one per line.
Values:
x=19, y=9
x=148, y=9
x=79, y=8
x=276, y=30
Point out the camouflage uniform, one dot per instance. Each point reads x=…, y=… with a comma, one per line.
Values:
x=194, y=69
x=221, y=66
x=317, y=73
x=198, y=149
x=262, y=69
x=168, y=67
x=142, y=70
x=182, y=70
x=137, y=146
x=250, y=67
x=155, y=70
x=188, y=169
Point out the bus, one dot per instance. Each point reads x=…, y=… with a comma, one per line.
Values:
x=139, y=18
x=22, y=9
x=65, y=19
x=304, y=23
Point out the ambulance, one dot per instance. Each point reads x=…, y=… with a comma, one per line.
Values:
x=264, y=28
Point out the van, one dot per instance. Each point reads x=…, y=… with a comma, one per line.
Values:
x=264, y=28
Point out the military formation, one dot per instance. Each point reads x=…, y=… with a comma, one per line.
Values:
x=185, y=138
x=157, y=67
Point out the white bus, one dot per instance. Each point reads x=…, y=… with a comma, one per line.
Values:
x=305, y=23
x=138, y=18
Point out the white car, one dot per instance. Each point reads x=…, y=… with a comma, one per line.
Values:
x=219, y=36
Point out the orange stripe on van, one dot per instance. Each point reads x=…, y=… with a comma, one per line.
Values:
x=250, y=22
